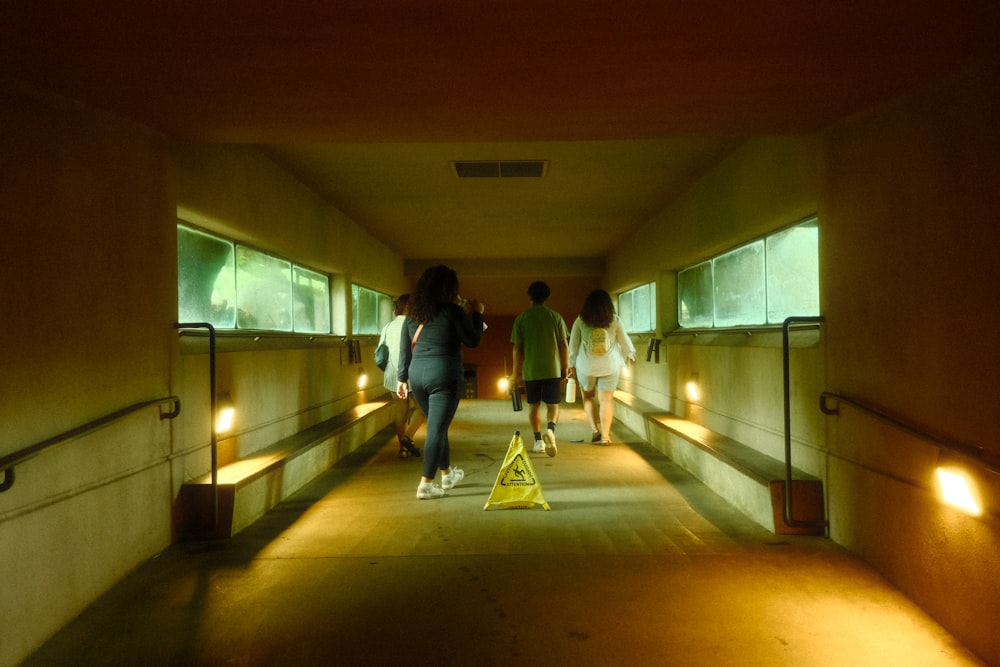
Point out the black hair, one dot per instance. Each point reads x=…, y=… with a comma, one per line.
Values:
x=539, y=291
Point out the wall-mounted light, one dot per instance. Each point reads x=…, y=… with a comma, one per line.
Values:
x=692, y=389
x=956, y=487
x=225, y=412
x=503, y=384
x=362, y=378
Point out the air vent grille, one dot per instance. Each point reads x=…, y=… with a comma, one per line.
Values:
x=500, y=168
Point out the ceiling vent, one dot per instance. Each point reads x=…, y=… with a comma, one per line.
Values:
x=500, y=168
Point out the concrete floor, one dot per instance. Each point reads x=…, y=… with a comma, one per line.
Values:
x=636, y=564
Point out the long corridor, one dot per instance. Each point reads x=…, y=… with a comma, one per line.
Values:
x=636, y=563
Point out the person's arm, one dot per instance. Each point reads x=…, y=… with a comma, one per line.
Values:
x=469, y=326
x=517, y=377
x=405, y=354
x=628, y=349
x=563, y=358
x=574, y=348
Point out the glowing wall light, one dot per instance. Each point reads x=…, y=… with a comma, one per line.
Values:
x=362, y=379
x=958, y=489
x=692, y=389
x=225, y=412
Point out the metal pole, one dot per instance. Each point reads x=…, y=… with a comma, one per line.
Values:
x=213, y=408
x=788, y=418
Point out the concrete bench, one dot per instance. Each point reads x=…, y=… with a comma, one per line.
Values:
x=748, y=479
x=249, y=487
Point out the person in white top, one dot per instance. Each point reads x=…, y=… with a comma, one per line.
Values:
x=410, y=420
x=598, y=349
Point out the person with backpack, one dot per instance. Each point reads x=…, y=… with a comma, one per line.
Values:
x=598, y=349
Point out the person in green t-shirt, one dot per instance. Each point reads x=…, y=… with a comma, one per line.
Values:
x=540, y=339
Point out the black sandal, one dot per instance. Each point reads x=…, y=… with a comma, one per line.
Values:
x=406, y=447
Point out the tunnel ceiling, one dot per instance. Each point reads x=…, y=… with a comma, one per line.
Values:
x=370, y=103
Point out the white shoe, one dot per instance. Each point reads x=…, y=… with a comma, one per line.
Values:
x=539, y=447
x=550, y=442
x=451, y=480
x=426, y=491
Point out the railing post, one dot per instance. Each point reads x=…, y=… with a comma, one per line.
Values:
x=788, y=418
x=213, y=403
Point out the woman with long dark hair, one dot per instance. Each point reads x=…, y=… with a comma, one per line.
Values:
x=431, y=366
x=598, y=349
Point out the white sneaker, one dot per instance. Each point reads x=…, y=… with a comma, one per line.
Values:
x=426, y=491
x=550, y=442
x=451, y=480
x=539, y=447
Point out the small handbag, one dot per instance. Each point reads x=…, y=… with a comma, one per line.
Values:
x=382, y=356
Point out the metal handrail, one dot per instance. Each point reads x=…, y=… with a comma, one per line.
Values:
x=788, y=421
x=8, y=462
x=214, y=442
x=971, y=451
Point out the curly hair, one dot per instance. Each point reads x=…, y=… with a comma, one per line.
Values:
x=598, y=310
x=437, y=287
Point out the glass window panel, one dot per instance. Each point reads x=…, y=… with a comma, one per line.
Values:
x=263, y=291
x=740, y=296
x=644, y=305
x=637, y=308
x=625, y=309
x=311, y=300
x=793, y=272
x=367, y=315
x=355, y=307
x=695, y=292
x=206, y=279
x=385, y=309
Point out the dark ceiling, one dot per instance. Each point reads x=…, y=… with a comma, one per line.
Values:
x=368, y=102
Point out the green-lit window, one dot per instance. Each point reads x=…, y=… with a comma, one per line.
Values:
x=793, y=272
x=739, y=286
x=637, y=308
x=310, y=301
x=371, y=310
x=232, y=286
x=695, y=288
x=263, y=291
x=761, y=283
x=206, y=279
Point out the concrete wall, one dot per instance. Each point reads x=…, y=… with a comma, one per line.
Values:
x=907, y=199
x=88, y=261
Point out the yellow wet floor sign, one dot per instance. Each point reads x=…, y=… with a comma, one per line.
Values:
x=517, y=486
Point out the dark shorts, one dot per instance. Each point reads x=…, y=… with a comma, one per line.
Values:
x=549, y=391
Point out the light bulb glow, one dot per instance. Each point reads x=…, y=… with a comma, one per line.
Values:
x=224, y=419
x=958, y=490
x=692, y=390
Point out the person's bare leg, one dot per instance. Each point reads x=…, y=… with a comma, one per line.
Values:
x=552, y=412
x=588, y=409
x=533, y=418
x=607, y=398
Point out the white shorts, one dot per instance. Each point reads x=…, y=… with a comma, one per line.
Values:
x=604, y=382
